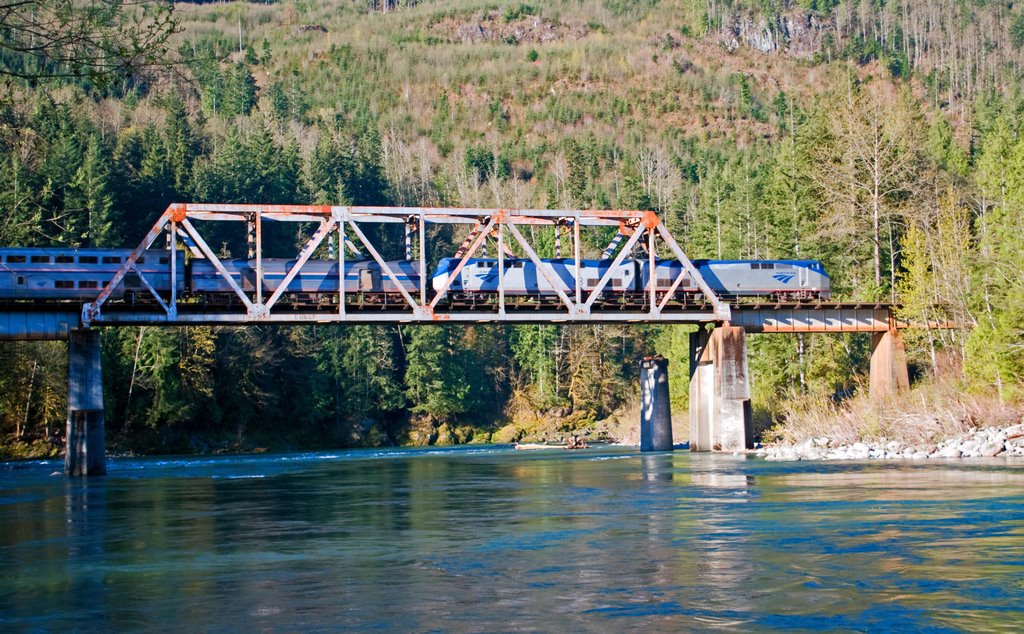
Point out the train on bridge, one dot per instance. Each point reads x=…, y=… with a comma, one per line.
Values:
x=57, y=274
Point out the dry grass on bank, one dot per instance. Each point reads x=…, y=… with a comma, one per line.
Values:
x=929, y=412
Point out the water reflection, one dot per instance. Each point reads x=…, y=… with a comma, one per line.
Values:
x=491, y=539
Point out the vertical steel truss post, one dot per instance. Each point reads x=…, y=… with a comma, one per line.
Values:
x=342, y=276
x=498, y=223
x=576, y=256
x=423, y=260
x=259, y=258
x=501, y=267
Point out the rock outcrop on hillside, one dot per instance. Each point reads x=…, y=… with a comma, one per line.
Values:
x=796, y=33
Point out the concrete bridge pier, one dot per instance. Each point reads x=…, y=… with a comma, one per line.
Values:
x=888, y=372
x=720, y=417
x=84, y=450
x=655, y=408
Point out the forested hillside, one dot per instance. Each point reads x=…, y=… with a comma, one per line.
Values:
x=883, y=138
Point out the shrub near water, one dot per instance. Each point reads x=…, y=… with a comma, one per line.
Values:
x=930, y=412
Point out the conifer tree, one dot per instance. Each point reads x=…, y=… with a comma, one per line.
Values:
x=91, y=198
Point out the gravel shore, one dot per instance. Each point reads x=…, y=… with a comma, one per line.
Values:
x=986, y=442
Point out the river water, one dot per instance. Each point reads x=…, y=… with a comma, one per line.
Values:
x=490, y=539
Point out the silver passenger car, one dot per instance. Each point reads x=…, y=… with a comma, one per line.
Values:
x=80, y=274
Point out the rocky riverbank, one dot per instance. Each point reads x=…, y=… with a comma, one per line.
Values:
x=986, y=442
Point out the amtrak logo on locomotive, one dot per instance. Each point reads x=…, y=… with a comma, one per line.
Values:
x=784, y=277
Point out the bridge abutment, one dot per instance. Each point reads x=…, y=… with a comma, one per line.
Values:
x=655, y=408
x=84, y=451
x=720, y=417
x=888, y=372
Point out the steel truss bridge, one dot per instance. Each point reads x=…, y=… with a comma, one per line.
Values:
x=719, y=386
x=349, y=227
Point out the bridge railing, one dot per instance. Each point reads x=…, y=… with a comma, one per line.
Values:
x=638, y=228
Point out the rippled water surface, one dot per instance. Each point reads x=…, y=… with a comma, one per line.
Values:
x=489, y=539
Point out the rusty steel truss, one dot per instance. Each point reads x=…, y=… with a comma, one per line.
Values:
x=179, y=223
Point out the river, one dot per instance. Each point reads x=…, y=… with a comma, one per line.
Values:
x=491, y=539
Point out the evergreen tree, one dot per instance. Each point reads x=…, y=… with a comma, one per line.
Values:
x=995, y=355
x=435, y=384
x=239, y=91
x=90, y=196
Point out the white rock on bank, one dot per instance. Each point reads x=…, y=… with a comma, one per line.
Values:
x=987, y=443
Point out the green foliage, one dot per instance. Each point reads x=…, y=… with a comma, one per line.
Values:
x=623, y=7
x=627, y=115
x=239, y=91
x=994, y=351
x=518, y=12
x=1017, y=31
x=436, y=385
x=484, y=163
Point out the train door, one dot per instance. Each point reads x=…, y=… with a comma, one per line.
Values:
x=369, y=280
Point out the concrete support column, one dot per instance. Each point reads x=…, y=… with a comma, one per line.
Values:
x=84, y=452
x=720, y=417
x=888, y=364
x=655, y=409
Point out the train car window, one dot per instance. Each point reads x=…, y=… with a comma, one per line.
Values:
x=140, y=260
x=111, y=259
x=131, y=280
x=64, y=259
x=21, y=280
x=15, y=259
x=41, y=259
x=87, y=259
x=755, y=265
x=664, y=282
x=164, y=259
x=517, y=265
x=768, y=265
x=63, y=284
x=87, y=284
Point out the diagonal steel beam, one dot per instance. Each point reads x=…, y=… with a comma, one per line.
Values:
x=383, y=265
x=217, y=264
x=722, y=311
x=672, y=289
x=307, y=250
x=149, y=287
x=541, y=268
x=481, y=236
x=617, y=261
x=92, y=309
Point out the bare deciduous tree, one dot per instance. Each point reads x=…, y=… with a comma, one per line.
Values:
x=70, y=38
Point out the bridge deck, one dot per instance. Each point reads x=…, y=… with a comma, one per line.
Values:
x=42, y=320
